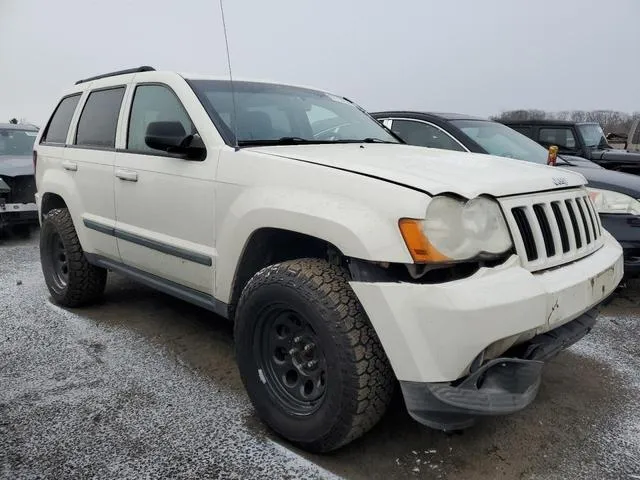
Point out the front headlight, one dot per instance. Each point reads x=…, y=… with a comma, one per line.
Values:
x=607, y=201
x=455, y=230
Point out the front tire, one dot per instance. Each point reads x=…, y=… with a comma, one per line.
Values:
x=70, y=278
x=308, y=356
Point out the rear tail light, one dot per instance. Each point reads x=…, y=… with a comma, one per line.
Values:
x=35, y=160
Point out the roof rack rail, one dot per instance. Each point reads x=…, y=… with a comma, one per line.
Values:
x=119, y=72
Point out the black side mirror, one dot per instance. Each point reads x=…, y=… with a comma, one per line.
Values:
x=170, y=137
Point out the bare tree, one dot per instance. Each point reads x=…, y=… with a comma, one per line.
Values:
x=516, y=115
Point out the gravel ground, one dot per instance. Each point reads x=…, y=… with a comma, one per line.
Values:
x=145, y=385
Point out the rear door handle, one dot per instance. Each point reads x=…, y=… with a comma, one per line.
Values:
x=127, y=175
x=71, y=166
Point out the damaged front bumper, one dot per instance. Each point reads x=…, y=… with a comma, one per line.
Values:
x=501, y=386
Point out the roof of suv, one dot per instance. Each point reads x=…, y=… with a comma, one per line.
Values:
x=444, y=116
x=190, y=76
x=560, y=123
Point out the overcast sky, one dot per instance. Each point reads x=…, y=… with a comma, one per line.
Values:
x=470, y=56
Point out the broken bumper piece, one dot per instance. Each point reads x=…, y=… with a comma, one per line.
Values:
x=500, y=386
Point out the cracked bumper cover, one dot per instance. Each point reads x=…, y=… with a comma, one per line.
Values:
x=433, y=332
x=501, y=386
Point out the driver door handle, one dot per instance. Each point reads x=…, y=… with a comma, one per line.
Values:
x=71, y=166
x=127, y=175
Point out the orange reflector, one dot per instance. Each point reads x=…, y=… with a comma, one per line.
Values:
x=421, y=250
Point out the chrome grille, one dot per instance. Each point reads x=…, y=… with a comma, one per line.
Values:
x=551, y=229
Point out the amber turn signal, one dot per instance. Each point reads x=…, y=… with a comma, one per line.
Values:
x=421, y=250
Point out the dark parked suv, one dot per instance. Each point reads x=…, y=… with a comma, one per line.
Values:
x=615, y=194
x=585, y=140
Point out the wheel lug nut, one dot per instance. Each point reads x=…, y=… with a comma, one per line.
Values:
x=297, y=339
x=293, y=351
x=308, y=347
x=312, y=364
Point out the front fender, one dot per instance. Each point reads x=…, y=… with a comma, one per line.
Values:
x=360, y=228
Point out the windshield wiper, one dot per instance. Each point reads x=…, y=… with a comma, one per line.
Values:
x=376, y=140
x=279, y=141
x=363, y=140
x=306, y=141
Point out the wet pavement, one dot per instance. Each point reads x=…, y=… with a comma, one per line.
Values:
x=145, y=385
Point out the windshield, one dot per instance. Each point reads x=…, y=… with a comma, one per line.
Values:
x=498, y=139
x=273, y=114
x=592, y=135
x=16, y=142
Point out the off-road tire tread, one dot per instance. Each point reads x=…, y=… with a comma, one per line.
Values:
x=86, y=281
x=363, y=360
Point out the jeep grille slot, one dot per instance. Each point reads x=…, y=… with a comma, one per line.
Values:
x=554, y=228
x=574, y=223
x=564, y=237
x=525, y=231
x=547, y=236
x=589, y=215
x=587, y=227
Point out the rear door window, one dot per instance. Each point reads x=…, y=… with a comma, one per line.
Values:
x=562, y=137
x=60, y=120
x=99, y=119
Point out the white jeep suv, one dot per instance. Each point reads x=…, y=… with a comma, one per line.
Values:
x=347, y=261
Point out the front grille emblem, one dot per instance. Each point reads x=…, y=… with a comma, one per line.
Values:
x=559, y=181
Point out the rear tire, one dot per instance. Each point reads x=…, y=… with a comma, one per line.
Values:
x=308, y=356
x=71, y=279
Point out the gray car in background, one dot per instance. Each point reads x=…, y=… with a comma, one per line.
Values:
x=18, y=209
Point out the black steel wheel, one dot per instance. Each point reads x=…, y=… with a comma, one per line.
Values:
x=291, y=357
x=56, y=255
x=310, y=360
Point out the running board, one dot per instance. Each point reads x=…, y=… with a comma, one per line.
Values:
x=187, y=294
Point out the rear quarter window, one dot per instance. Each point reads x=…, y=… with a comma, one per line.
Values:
x=60, y=121
x=99, y=119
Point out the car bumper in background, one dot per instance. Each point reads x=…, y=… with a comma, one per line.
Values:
x=17, y=214
x=626, y=230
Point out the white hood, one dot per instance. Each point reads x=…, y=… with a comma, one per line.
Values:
x=432, y=170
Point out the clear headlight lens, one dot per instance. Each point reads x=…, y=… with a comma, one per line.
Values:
x=458, y=230
x=607, y=201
